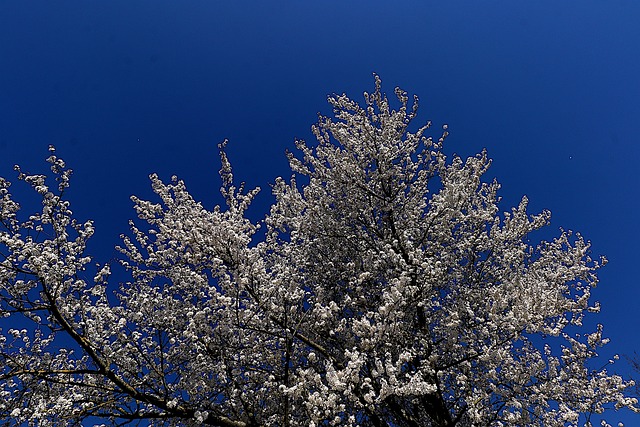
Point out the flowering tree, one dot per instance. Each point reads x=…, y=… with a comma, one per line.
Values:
x=388, y=290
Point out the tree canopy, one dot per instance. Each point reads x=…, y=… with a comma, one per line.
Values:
x=384, y=288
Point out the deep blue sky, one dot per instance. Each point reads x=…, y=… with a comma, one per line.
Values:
x=126, y=88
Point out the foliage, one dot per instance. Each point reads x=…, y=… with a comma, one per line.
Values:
x=388, y=290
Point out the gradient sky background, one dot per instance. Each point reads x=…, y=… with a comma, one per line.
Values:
x=126, y=88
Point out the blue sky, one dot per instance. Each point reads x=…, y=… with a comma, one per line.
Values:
x=126, y=88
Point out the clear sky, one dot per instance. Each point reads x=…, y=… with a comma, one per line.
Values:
x=125, y=88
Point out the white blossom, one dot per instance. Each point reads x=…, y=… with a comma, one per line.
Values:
x=389, y=289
